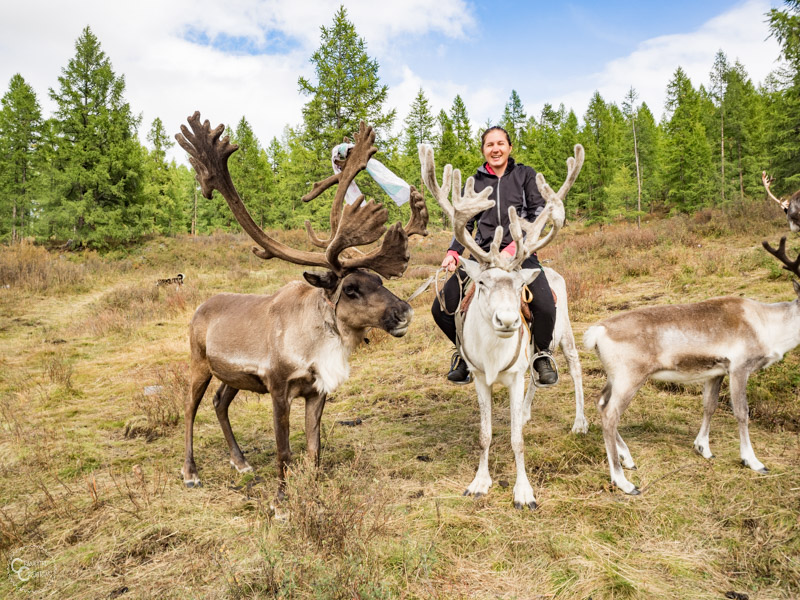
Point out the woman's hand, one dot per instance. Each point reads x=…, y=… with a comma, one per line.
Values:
x=450, y=262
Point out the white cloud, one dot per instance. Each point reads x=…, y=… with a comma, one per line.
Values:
x=170, y=77
x=740, y=32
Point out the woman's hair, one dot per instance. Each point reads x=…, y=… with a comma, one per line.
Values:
x=494, y=128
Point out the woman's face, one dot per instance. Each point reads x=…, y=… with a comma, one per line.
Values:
x=496, y=149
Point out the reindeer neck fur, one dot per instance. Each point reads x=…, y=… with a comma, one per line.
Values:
x=781, y=327
x=482, y=347
x=336, y=342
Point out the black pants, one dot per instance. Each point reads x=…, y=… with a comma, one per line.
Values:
x=543, y=308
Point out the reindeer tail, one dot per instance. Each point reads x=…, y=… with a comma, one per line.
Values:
x=591, y=336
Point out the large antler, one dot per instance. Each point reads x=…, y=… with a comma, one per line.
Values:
x=792, y=266
x=767, y=181
x=526, y=235
x=463, y=208
x=553, y=211
x=355, y=225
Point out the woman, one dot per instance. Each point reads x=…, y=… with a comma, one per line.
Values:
x=515, y=185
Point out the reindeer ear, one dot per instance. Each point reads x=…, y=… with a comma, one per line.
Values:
x=472, y=268
x=529, y=275
x=327, y=280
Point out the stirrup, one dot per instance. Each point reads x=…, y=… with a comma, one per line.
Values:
x=535, y=374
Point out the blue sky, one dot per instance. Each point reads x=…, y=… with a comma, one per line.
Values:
x=243, y=57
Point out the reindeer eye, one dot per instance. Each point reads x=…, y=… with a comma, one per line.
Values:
x=351, y=291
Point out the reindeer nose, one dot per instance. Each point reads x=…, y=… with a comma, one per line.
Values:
x=506, y=320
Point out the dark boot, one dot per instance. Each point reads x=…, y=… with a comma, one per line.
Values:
x=547, y=376
x=459, y=372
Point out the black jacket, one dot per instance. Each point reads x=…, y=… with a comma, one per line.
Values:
x=517, y=187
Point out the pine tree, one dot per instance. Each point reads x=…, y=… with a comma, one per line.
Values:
x=347, y=90
x=514, y=117
x=602, y=139
x=630, y=110
x=650, y=157
x=418, y=125
x=688, y=162
x=719, y=81
x=446, y=146
x=98, y=160
x=20, y=134
x=461, y=126
x=250, y=170
x=785, y=137
x=167, y=196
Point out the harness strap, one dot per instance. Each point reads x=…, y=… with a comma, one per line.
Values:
x=459, y=319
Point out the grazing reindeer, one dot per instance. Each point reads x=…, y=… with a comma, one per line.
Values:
x=791, y=206
x=495, y=343
x=690, y=343
x=177, y=280
x=297, y=341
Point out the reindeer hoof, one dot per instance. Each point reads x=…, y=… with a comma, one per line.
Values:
x=245, y=469
x=530, y=505
x=193, y=483
x=634, y=492
x=632, y=468
x=763, y=470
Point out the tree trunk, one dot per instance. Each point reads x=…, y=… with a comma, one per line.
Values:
x=741, y=178
x=722, y=149
x=194, y=213
x=638, y=177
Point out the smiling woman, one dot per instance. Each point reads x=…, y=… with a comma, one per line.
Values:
x=512, y=185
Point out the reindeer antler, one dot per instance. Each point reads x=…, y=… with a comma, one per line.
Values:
x=790, y=265
x=358, y=224
x=463, y=208
x=767, y=181
x=553, y=211
x=525, y=234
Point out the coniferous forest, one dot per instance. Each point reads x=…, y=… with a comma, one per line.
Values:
x=84, y=177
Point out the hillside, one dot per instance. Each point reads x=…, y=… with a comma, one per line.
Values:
x=92, y=502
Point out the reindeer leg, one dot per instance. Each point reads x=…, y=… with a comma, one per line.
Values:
x=614, y=399
x=624, y=454
x=710, y=401
x=281, y=406
x=738, y=385
x=523, y=492
x=222, y=400
x=581, y=425
x=314, y=407
x=483, y=481
x=200, y=378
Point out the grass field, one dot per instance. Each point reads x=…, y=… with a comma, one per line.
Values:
x=92, y=504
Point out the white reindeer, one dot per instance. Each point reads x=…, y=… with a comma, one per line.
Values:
x=495, y=343
x=691, y=343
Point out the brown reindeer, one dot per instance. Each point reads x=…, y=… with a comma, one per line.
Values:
x=691, y=343
x=297, y=341
x=790, y=206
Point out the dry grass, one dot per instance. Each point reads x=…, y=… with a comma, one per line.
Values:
x=93, y=372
